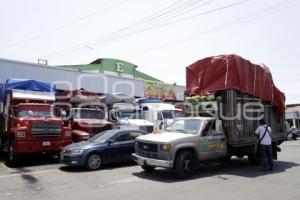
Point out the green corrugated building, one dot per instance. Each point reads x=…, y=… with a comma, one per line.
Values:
x=114, y=67
x=153, y=87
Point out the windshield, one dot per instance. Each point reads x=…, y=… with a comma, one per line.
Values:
x=168, y=114
x=30, y=113
x=103, y=136
x=88, y=114
x=130, y=114
x=188, y=126
x=178, y=113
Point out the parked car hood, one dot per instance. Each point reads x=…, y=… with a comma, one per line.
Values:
x=164, y=137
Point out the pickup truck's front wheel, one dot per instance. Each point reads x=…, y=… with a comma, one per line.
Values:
x=184, y=164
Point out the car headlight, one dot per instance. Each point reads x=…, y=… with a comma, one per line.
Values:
x=21, y=134
x=68, y=133
x=85, y=137
x=165, y=147
x=76, y=151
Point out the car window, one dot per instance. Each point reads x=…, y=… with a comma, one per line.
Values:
x=123, y=137
x=135, y=134
x=209, y=129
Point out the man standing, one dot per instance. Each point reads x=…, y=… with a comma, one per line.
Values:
x=264, y=132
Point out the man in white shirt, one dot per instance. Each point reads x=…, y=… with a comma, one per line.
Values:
x=265, y=138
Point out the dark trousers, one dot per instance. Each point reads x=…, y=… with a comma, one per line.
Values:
x=266, y=156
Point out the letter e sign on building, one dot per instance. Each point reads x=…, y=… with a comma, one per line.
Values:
x=119, y=67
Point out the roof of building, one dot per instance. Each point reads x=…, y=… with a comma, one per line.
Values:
x=107, y=64
x=293, y=109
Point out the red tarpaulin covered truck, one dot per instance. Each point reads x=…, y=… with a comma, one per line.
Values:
x=26, y=123
x=226, y=96
x=238, y=86
x=85, y=112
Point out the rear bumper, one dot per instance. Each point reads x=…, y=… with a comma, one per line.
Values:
x=46, y=146
x=152, y=162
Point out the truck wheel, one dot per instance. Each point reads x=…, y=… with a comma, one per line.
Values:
x=93, y=161
x=184, y=164
x=148, y=168
x=13, y=158
x=254, y=160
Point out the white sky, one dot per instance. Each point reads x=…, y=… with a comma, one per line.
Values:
x=80, y=31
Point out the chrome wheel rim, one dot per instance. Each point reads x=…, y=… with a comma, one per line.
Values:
x=94, y=161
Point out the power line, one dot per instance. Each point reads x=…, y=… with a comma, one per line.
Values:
x=107, y=41
x=243, y=19
x=64, y=26
x=170, y=8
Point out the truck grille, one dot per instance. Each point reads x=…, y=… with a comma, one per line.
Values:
x=147, y=147
x=46, y=129
x=148, y=129
x=147, y=154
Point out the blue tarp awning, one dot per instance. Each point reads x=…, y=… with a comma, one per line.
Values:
x=148, y=100
x=25, y=84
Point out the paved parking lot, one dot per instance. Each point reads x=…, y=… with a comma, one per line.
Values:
x=44, y=178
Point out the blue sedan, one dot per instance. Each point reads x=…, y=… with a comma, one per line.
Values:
x=107, y=147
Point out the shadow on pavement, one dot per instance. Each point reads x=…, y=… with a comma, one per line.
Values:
x=237, y=167
x=29, y=160
x=73, y=169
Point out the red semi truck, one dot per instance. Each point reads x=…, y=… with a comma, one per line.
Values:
x=26, y=123
x=85, y=113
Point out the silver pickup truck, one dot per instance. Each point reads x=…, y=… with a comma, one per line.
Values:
x=185, y=143
x=190, y=141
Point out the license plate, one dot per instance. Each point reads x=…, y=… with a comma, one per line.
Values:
x=46, y=144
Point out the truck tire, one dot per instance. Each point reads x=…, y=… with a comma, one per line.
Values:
x=148, y=168
x=184, y=164
x=13, y=158
x=93, y=161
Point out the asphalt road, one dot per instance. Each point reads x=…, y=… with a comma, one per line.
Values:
x=43, y=178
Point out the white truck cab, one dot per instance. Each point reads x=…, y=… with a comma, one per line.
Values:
x=129, y=115
x=161, y=114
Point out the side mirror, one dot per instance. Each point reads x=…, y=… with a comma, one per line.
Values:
x=159, y=117
x=113, y=115
x=145, y=108
x=110, y=141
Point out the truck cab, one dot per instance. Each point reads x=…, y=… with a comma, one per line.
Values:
x=186, y=142
x=84, y=113
x=87, y=122
x=27, y=124
x=128, y=115
x=161, y=114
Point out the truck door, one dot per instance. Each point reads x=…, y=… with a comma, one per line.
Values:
x=212, y=143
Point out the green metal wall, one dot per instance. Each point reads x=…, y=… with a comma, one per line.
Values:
x=113, y=65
